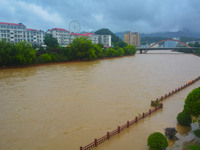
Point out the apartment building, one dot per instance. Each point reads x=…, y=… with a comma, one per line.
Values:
x=15, y=33
x=132, y=38
x=35, y=37
x=62, y=35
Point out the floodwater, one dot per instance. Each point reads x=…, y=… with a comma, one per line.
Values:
x=65, y=106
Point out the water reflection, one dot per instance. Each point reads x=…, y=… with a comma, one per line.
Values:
x=183, y=130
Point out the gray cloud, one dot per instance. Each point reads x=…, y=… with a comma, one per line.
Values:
x=134, y=15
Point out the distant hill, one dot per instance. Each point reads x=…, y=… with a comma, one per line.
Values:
x=149, y=40
x=114, y=38
x=155, y=37
x=183, y=33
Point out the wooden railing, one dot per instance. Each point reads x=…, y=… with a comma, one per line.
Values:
x=174, y=91
x=108, y=135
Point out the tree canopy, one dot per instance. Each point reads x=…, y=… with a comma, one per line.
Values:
x=21, y=53
x=50, y=41
x=82, y=48
x=192, y=102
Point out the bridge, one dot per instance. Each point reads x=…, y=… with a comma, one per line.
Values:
x=175, y=48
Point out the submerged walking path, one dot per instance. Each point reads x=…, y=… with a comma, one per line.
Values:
x=155, y=103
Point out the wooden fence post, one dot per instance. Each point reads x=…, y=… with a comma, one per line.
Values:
x=108, y=135
x=149, y=111
x=127, y=124
x=81, y=148
x=142, y=115
x=135, y=119
x=95, y=143
x=161, y=105
x=118, y=129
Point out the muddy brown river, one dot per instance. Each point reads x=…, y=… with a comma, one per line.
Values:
x=65, y=106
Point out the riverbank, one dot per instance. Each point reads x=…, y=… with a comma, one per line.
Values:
x=64, y=62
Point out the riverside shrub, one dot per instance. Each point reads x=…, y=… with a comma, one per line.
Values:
x=170, y=133
x=184, y=118
x=157, y=141
x=192, y=102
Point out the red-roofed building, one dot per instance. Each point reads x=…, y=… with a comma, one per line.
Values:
x=12, y=24
x=62, y=35
x=35, y=37
x=15, y=33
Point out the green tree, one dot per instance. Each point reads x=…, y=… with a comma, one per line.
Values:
x=25, y=54
x=98, y=50
x=66, y=53
x=100, y=45
x=120, y=52
x=130, y=50
x=110, y=52
x=21, y=53
x=91, y=54
x=198, y=51
x=157, y=141
x=184, y=118
x=121, y=44
x=6, y=53
x=45, y=58
x=50, y=41
x=80, y=48
x=192, y=102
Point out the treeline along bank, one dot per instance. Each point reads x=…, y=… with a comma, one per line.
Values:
x=81, y=48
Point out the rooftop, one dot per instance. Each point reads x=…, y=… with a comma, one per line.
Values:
x=59, y=29
x=78, y=34
x=14, y=24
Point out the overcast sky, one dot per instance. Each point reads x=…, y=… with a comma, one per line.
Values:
x=144, y=16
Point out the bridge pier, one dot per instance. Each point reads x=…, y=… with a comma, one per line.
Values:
x=140, y=51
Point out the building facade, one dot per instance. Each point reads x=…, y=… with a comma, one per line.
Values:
x=15, y=33
x=132, y=38
x=171, y=44
x=64, y=37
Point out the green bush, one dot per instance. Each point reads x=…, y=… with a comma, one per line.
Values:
x=197, y=132
x=157, y=141
x=184, y=118
x=192, y=102
x=194, y=147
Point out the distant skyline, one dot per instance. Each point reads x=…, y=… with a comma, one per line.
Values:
x=144, y=16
